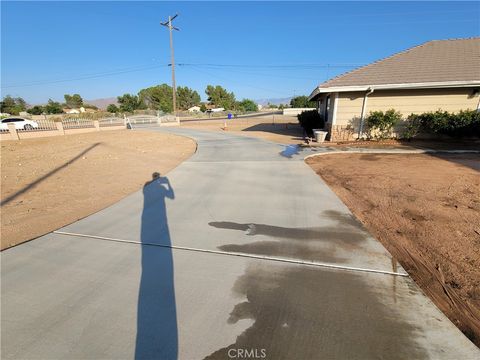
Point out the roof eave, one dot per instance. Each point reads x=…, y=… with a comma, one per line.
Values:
x=424, y=85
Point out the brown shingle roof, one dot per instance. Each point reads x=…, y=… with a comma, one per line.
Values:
x=433, y=61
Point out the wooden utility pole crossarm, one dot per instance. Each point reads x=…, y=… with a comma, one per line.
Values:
x=170, y=27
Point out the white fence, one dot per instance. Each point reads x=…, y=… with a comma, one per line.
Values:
x=77, y=123
x=68, y=125
x=151, y=119
x=295, y=111
x=113, y=121
x=43, y=125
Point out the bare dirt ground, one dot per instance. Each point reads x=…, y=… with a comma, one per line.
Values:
x=425, y=210
x=47, y=183
x=276, y=128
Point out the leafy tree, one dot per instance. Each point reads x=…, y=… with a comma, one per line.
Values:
x=90, y=106
x=53, y=107
x=220, y=97
x=129, y=103
x=36, y=110
x=186, y=98
x=157, y=97
x=247, y=105
x=21, y=104
x=203, y=107
x=12, y=105
x=7, y=104
x=73, y=101
x=301, y=102
x=112, y=108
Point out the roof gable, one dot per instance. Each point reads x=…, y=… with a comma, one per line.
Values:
x=434, y=61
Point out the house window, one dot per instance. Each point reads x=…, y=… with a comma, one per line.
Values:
x=327, y=108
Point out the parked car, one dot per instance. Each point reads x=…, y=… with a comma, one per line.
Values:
x=215, y=110
x=20, y=123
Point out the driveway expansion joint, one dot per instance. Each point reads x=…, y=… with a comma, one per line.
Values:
x=238, y=254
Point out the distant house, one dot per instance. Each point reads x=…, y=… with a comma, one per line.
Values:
x=439, y=74
x=194, y=109
x=71, y=111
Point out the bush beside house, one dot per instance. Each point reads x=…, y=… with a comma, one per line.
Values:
x=310, y=120
x=465, y=123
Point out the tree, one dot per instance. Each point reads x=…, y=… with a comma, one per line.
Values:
x=186, y=98
x=302, y=102
x=12, y=105
x=203, y=107
x=112, y=108
x=53, y=107
x=220, y=97
x=157, y=97
x=36, y=110
x=90, y=106
x=129, y=103
x=73, y=101
x=247, y=105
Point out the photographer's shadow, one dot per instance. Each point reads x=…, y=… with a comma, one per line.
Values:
x=157, y=336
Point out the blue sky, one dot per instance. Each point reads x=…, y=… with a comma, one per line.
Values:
x=106, y=49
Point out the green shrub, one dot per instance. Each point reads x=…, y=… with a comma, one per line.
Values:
x=380, y=124
x=412, y=127
x=462, y=124
x=310, y=120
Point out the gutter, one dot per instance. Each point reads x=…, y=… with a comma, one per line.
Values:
x=364, y=110
x=424, y=85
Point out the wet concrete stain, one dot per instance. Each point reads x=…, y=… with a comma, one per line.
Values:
x=290, y=151
x=305, y=313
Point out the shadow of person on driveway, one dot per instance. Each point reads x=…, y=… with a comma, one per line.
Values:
x=157, y=336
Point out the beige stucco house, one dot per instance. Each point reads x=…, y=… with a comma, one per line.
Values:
x=439, y=74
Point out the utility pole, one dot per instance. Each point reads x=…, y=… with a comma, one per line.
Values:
x=170, y=27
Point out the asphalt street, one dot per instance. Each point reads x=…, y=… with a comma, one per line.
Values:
x=240, y=252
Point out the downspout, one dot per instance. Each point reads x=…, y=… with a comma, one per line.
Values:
x=364, y=110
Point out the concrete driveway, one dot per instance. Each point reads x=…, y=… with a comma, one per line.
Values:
x=240, y=252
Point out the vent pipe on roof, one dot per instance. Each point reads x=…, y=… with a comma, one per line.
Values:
x=364, y=110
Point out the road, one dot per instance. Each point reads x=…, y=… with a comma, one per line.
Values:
x=251, y=115
x=240, y=251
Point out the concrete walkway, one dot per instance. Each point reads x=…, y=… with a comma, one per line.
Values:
x=240, y=250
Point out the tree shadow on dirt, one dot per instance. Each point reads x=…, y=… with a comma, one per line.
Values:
x=469, y=160
x=289, y=129
x=47, y=175
x=310, y=243
x=157, y=334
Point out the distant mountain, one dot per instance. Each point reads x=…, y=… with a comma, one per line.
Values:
x=274, y=101
x=102, y=103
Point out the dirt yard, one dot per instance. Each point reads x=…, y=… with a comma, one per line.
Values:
x=425, y=210
x=47, y=183
x=276, y=128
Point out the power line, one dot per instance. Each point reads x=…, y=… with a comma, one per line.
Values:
x=234, y=81
x=87, y=76
x=246, y=72
x=289, y=66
